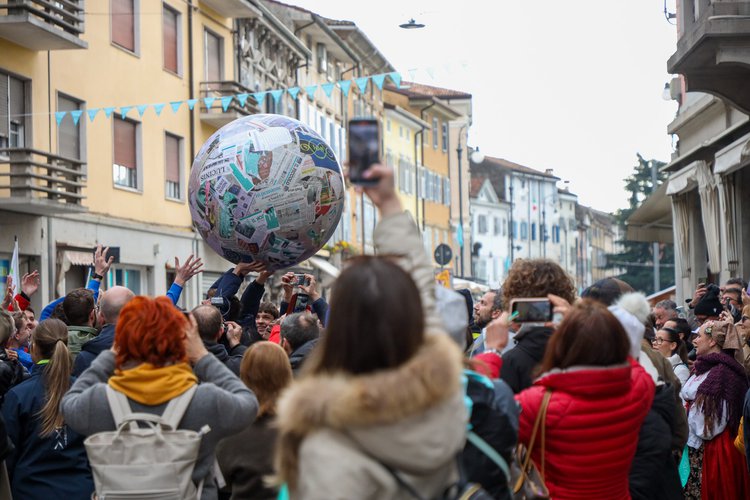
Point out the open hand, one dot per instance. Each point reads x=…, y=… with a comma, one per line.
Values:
x=190, y=268
x=30, y=283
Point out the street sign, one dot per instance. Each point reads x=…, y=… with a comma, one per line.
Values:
x=444, y=278
x=443, y=254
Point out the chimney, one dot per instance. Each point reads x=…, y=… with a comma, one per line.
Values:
x=548, y=171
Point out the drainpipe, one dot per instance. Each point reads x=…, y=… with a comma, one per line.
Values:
x=416, y=172
x=191, y=83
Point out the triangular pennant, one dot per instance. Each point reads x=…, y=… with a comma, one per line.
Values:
x=345, y=86
x=310, y=91
x=378, y=80
x=158, y=108
x=92, y=113
x=108, y=111
x=76, y=115
x=362, y=83
x=276, y=94
x=141, y=109
x=395, y=78
x=175, y=105
x=208, y=101
x=191, y=103
x=259, y=97
x=431, y=72
x=294, y=91
x=59, y=116
x=242, y=99
x=225, y=102
x=412, y=74
x=328, y=88
x=124, y=111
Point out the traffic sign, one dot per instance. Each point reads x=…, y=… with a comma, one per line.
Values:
x=443, y=254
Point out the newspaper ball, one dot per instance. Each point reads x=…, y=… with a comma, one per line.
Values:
x=266, y=188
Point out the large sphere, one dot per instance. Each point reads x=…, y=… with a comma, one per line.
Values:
x=266, y=188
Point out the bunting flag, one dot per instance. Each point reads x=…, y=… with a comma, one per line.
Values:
x=328, y=89
x=431, y=72
x=378, y=80
x=362, y=83
x=225, y=102
x=412, y=74
x=276, y=94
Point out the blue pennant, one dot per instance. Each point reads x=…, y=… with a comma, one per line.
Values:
x=345, y=86
x=259, y=97
x=328, y=88
x=209, y=101
x=175, y=105
x=310, y=91
x=76, y=115
x=59, y=116
x=242, y=99
x=362, y=83
x=191, y=103
x=294, y=91
x=141, y=109
x=378, y=80
x=92, y=113
x=277, y=95
x=124, y=111
x=158, y=108
x=108, y=111
x=396, y=78
x=225, y=102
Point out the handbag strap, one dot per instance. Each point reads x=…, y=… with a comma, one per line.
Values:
x=490, y=452
x=541, y=418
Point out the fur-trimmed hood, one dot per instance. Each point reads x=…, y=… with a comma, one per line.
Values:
x=411, y=417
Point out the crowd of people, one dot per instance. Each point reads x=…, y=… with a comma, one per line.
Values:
x=395, y=388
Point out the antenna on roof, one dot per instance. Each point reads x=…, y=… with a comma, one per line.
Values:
x=411, y=25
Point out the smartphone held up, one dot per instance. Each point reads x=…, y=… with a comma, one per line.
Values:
x=531, y=310
x=364, y=149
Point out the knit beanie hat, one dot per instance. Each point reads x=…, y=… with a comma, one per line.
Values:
x=724, y=333
x=709, y=305
x=452, y=309
x=631, y=311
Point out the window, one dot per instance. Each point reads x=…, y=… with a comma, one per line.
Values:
x=214, y=58
x=496, y=226
x=447, y=191
x=69, y=142
x=514, y=230
x=401, y=132
x=173, y=161
x=12, y=110
x=533, y=231
x=505, y=227
x=332, y=135
x=388, y=125
x=524, y=230
x=124, y=24
x=129, y=278
x=125, y=167
x=172, y=39
x=321, y=57
x=445, y=136
x=482, y=224
x=435, y=126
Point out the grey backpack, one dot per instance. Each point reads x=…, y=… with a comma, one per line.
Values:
x=154, y=461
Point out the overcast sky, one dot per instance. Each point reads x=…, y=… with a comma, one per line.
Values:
x=572, y=86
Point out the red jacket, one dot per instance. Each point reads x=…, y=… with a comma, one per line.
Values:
x=593, y=421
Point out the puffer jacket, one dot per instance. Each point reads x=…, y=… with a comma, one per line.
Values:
x=336, y=432
x=593, y=420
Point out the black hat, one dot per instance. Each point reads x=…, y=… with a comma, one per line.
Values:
x=709, y=305
x=606, y=290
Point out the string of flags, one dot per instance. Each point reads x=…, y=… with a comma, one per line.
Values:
x=225, y=101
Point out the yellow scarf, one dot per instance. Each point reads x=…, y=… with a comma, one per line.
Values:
x=153, y=386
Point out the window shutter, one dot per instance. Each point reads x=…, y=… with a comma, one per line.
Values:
x=124, y=143
x=4, y=107
x=173, y=158
x=68, y=133
x=170, y=40
x=213, y=57
x=123, y=24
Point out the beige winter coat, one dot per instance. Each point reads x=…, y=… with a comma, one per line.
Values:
x=412, y=418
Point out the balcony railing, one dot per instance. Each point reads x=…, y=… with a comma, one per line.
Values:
x=39, y=182
x=216, y=116
x=43, y=24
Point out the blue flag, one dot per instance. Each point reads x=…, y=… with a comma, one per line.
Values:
x=175, y=105
x=108, y=111
x=92, y=113
x=158, y=108
x=191, y=103
x=396, y=78
x=59, y=116
x=141, y=109
x=259, y=97
x=124, y=111
x=242, y=99
x=76, y=115
x=345, y=86
x=310, y=91
x=294, y=91
x=208, y=101
x=225, y=102
x=362, y=83
x=378, y=80
x=277, y=95
x=328, y=88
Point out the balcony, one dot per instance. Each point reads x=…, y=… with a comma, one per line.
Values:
x=216, y=116
x=43, y=24
x=713, y=52
x=232, y=8
x=37, y=182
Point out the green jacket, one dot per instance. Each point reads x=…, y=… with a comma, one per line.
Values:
x=79, y=335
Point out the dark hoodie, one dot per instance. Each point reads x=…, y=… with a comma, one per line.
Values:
x=218, y=350
x=300, y=354
x=519, y=362
x=92, y=348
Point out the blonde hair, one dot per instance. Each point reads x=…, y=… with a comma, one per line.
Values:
x=7, y=327
x=266, y=370
x=50, y=341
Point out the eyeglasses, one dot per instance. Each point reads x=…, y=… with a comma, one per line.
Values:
x=657, y=341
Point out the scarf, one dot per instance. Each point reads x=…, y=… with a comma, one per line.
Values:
x=150, y=385
x=725, y=383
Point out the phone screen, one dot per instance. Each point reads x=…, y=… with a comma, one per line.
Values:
x=364, y=148
x=536, y=311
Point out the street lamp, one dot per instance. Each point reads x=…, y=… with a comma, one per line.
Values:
x=459, y=152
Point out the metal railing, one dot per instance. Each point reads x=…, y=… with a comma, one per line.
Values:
x=32, y=175
x=66, y=15
x=228, y=88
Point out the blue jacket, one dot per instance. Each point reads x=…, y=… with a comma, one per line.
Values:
x=91, y=349
x=43, y=467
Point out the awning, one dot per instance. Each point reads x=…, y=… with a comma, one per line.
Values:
x=733, y=157
x=685, y=179
x=652, y=221
x=473, y=286
x=325, y=266
x=79, y=258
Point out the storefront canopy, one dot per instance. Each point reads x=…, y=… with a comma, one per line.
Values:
x=652, y=221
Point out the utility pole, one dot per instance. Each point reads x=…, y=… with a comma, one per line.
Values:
x=655, y=248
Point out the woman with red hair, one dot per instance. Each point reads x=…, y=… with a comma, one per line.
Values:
x=150, y=362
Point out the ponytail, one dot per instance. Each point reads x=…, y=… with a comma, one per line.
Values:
x=51, y=341
x=681, y=349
